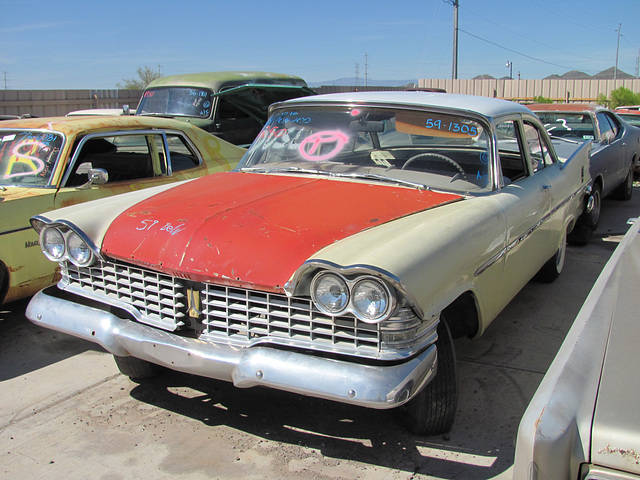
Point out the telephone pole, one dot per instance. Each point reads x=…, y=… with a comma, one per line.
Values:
x=615, y=72
x=454, y=66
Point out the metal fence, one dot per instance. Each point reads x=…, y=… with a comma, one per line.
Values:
x=49, y=103
x=518, y=90
x=45, y=103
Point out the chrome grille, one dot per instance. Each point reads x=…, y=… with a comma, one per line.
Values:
x=157, y=299
x=247, y=317
x=230, y=315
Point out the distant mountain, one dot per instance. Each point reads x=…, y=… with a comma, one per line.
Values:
x=575, y=75
x=607, y=74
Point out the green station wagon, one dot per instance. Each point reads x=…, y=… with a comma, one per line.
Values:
x=231, y=105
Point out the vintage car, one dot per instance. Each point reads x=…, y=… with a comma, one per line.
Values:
x=125, y=110
x=358, y=235
x=582, y=422
x=614, y=155
x=231, y=105
x=631, y=115
x=47, y=163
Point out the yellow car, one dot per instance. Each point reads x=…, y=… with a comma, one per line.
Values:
x=48, y=163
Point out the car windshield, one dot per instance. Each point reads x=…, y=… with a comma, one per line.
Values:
x=28, y=157
x=414, y=147
x=576, y=126
x=176, y=101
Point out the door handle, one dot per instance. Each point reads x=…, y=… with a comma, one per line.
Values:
x=546, y=188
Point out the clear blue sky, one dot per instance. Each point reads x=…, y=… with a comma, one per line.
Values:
x=87, y=44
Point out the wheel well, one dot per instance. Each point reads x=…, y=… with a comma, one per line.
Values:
x=598, y=181
x=462, y=316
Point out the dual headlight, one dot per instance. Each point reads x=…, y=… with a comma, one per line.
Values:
x=367, y=297
x=59, y=245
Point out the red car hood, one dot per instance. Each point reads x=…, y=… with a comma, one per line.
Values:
x=251, y=229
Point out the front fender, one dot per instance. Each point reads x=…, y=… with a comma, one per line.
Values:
x=431, y=257
x=83, y=216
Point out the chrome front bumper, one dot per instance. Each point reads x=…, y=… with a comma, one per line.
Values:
x=373, y=386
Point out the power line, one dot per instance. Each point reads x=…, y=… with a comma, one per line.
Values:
x=514, y=51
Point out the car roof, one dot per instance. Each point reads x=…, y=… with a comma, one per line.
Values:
x=78, y=124
x=217, y=81
x=484, y=106
x=565, y=107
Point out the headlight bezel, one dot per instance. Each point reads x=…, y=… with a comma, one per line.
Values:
x=350, y=307
x=68, y=236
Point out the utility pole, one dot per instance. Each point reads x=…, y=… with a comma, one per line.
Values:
x=357, y=74
x=366, y=69
x=615, y=73
x=454, y=68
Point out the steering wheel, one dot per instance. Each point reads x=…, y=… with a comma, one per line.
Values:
x=436, y=156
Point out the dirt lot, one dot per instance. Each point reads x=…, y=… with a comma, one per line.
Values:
x=66, y=412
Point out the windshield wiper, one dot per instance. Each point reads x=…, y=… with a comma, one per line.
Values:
x=285, y=170
x=564, y=139
x=365, y=176
x=382, y=178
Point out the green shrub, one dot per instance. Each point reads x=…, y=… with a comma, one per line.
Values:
x=541, y=99
x=623, y=96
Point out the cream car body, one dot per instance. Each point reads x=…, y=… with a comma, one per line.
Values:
x=344, y=252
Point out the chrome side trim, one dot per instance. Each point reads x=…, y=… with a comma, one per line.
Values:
x=526, y=234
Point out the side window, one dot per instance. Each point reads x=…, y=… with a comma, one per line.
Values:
x=512, y=158
x=608, y=131
x=538, y=150
x=615, y=124
x=181, y=155
x=234, y=124
x=123, y=157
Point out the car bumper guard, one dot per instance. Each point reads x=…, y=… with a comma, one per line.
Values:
x=374, y=386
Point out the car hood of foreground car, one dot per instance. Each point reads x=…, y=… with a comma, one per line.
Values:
x=252, y=229
x=616, y=424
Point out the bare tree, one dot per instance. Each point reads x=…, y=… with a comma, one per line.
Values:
x=145, y=76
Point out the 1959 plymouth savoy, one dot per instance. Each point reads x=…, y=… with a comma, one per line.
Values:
x=357, y=236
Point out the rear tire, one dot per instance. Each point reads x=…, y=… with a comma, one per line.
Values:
x=625, y=189
x=135, y=368
x=588, y=221
x=432, y=411
x=552, y=269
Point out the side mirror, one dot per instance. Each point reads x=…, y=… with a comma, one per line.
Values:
x=608, y=137
x=98, y=176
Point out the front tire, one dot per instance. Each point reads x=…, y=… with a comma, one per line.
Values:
x=432, y=411
x=135, y=368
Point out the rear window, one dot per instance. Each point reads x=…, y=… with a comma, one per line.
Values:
x=176, y=101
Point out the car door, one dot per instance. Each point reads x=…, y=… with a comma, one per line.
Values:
x=610, y=154
x=526, y=201
x=131, y=161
